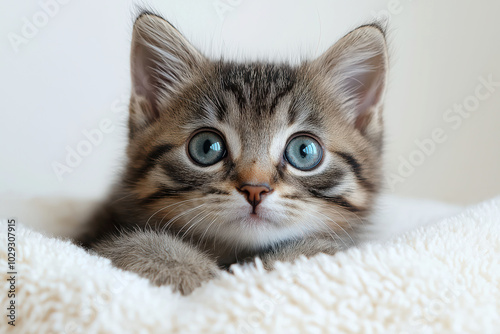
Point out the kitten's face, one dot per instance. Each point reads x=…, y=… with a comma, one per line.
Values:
x=248, y=155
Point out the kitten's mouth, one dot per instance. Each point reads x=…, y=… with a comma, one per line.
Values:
x=256, y=216
x=255, y=211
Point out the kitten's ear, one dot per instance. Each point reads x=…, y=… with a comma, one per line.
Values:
x=356, y=69
x=162, y=61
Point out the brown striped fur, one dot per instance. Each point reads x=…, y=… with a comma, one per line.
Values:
x=256, y=107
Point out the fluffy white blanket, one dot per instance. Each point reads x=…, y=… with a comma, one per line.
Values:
x=441, y=278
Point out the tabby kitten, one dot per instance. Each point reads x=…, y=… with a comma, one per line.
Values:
x=228, y=161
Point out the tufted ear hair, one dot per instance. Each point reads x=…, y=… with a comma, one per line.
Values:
x=355, y=71
x=162, y=61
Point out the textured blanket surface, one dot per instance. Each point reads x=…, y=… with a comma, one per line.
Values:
x=443, y=277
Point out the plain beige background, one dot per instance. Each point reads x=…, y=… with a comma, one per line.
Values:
x=70, y=75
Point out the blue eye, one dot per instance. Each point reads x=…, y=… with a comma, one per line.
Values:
x=303, y=152
x=207, y=148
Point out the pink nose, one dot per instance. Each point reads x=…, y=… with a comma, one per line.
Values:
x=254, y=193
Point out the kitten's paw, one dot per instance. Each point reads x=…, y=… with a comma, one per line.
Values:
x=182, y=276
x=161, y=258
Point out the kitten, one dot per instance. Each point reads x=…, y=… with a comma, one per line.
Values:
x=228, y=161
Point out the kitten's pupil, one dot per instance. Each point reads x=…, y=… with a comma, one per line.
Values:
x=207, y=146
x=306, y=150
x=303, y=151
